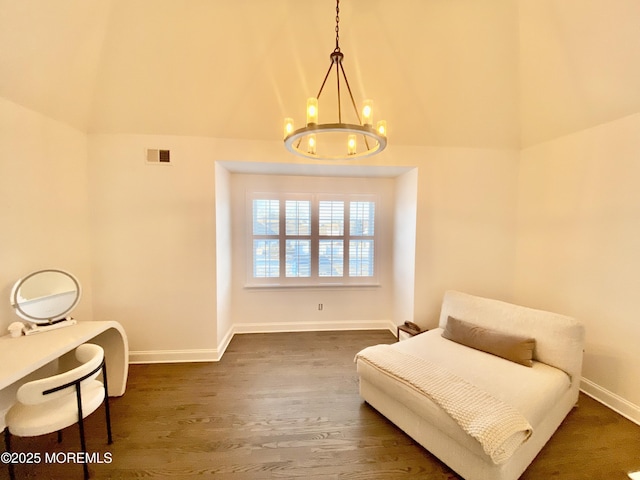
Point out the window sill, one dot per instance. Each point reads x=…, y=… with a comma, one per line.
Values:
x=310, y=286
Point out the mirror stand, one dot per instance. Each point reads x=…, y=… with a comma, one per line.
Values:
x=33, y=328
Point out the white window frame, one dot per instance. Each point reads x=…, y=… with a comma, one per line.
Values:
x=314, y=280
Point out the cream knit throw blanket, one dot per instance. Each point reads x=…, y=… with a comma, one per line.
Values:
x=499, y=427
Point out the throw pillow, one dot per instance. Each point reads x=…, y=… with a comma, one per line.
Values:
x=518, y=349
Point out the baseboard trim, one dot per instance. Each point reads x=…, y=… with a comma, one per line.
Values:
x=215, y=354
x=278, y=327
x=611, y=400
x=224, y=343
x=174, y=356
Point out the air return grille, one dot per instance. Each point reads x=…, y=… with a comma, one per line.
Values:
x=158, y=156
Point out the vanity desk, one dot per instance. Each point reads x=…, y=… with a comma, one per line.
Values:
x=22, y=356
x=43, y=298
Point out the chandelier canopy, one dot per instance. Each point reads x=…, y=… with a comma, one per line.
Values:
x=337, y=140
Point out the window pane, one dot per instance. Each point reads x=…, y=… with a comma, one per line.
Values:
x=362, y=218
x=266, y=258
x=298, y=258
x=265, y=217
x=298, y=217
x=331, y=218
x=361, y=258
x=330, y=258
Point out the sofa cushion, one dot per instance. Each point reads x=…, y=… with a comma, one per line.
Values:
x=559, y=339
x=518, y=349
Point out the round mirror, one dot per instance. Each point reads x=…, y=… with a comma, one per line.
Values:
x=45, y=296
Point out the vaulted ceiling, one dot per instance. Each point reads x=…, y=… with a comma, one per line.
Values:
x=469, y=73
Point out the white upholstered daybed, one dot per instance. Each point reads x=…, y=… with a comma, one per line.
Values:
x=526, y=404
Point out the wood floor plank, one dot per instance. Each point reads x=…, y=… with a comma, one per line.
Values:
x=286, y=406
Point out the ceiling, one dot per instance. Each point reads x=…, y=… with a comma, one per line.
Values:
x=468, y=73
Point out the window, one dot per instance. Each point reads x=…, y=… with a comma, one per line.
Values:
x=313, y=239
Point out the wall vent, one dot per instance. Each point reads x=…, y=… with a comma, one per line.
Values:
x=158, y=156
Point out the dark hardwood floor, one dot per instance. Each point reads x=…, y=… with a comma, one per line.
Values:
x=286, y=406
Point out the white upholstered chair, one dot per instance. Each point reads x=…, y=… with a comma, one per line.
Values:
x=50, y=404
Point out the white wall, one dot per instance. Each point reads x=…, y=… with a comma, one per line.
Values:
x=578, y=248
x=224, y=250
x=44, y=206
x=277, y=309
x=153, y=238
x=465, y=225
x=404, y=246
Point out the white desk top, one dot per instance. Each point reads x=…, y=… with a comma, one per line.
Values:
x=22, y=355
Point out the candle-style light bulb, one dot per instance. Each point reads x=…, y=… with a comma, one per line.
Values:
x=351, y=145
x=312, y=111
x=367, y=113
x=288, y=127
x=311, y=144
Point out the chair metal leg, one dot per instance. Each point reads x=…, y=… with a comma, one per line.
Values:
x=106, y=402
x=81, y=426
x=7, y=445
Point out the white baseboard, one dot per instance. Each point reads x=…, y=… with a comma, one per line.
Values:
x=215, y=354
x=224, y=343
x=611, y=400
x=174, y=356
x=314, y=326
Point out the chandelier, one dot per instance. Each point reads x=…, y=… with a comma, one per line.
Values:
x=343, y=140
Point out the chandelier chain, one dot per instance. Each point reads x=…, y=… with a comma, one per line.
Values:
x=337, y=49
